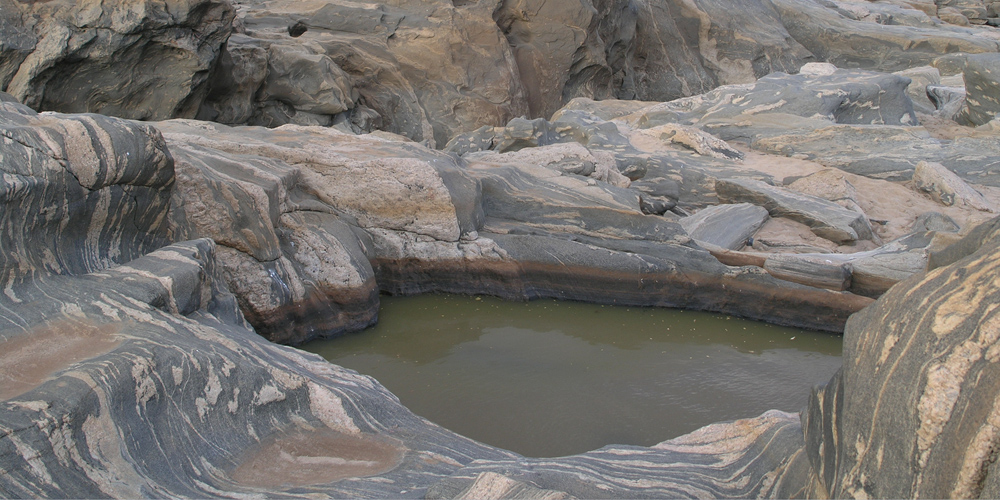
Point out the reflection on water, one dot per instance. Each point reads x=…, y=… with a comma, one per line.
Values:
x=549, y=378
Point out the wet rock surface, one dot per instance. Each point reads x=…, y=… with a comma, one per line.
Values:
x=291, y=176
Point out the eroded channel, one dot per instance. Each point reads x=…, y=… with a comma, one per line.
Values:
x=550, y=378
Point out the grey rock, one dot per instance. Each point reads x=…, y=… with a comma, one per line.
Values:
x=584, y=476
x=971, y=9
x=879, y=152
x=881, y=13
x=981, y=87
x=813, y=271
x=920, y=79
x=306, y=81
x=391, y=65
x=849, y=43
x=849, y=97
x=890, y=153
x=657, y=194
x=947, y=101
x=686, y=48
x=934, y=221
x=70, y=183
x=876, y=271
x=164, y=51
x=238, y=75
x=935, y=331
x=726, y=226
x=826, y=219
x=289, y=212
x=947, y=188
x=16, y=42
x=831, y=185
x=952, y=15
x=697, y=140
x=950, y=64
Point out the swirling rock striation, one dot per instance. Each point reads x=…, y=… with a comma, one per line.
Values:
x=143, y=262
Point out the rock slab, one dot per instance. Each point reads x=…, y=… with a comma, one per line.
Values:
x=826, y=219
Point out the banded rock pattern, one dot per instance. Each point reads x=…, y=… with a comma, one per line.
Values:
x=376, y=66
x=912, y=412
x=154, y=383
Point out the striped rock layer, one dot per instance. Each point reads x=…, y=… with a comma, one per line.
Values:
x=140, y=264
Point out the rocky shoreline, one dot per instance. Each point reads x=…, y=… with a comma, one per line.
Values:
x=273, y=166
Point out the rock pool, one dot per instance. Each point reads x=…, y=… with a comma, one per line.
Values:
x=550, y=378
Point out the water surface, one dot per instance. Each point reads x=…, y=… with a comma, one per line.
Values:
x=551, y=378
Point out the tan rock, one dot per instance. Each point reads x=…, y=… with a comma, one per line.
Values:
x=947, y=188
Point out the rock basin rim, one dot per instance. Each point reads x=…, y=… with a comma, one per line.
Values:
x=822, y=163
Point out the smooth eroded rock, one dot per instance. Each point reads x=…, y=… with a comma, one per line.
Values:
x=826, y=219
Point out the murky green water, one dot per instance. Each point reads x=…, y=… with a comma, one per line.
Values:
x=549, y=378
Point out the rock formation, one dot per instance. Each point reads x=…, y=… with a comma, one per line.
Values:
x=298, y=158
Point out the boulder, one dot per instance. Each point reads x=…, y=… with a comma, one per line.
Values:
x=308, y=82
x=289, y=212
x=952, y=15
x=934, y=221
x=697, y=140
x=948, y=101
x=947, y=188
x=920, y=428
x=725, y=226
x=826, y=219
x=982, y=84
x=83, y=192
x=920, y=79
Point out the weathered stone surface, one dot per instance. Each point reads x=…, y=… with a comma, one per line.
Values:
x=934, y=221
x=16, y=42
x=924, y=427
x=951, y=15
x=661, y=468
x=686, y=48
x=311, y=83
x=819, y=272
x=391, y=56
x=81, y=192
x=982, y=85
x=947, y=188
x=874, y=272
x=826, y=219
x=290, y=208
x=948, y=101
x=890, y=153
x=156, y=353
x=973, y=10
x=849, y=97
x=697, y=140
x=831, y=185
x=162, y=51
x=295, y=230
x=726, y=226
x=920, y=79
x=848, y=43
